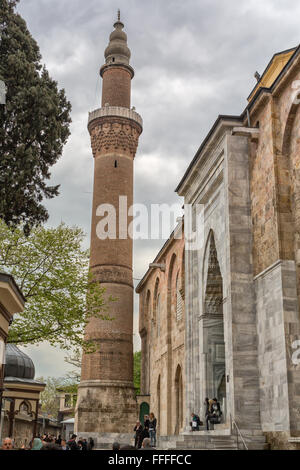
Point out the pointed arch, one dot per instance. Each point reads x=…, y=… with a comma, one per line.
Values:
x=25, y=407
x=210, y=241
x=287, y=181
x=158, y=391
x=213, y=320
x=183, y=273
x=158, y=314
x=178, y=399
x=148, y=305
x=179, y=302
x=155, y=294
x=171, y=286
x=287, y=133
x=214, y=282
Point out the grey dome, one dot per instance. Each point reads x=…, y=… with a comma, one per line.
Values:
x=117, y=50
x=17, y=363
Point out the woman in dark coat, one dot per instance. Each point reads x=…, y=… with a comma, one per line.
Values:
x=145, y=432
x=138, y=429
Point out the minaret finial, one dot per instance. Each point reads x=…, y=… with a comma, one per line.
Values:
x=119, y=14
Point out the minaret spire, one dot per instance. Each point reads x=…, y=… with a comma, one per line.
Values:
x=119, y=15
x=117, y=72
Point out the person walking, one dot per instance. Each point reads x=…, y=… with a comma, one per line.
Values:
x=152, y=429
x=138, y=429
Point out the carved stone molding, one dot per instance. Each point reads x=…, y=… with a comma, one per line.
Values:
x=214, y=288
x=118, y=111
x=113, y=274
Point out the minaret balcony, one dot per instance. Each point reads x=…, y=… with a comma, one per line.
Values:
x=117, y=111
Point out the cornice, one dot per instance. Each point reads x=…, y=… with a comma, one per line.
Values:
x=115, y=111
x=222, y=125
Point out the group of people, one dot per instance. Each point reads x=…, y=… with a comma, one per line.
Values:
x=144, y=438
x=146, y=432
x=213, y=415
x=51, y=442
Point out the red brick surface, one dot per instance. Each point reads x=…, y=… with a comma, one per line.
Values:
x=116, y=87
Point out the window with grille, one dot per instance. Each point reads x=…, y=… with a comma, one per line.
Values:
x=179, y=299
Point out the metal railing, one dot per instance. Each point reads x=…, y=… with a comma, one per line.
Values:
x=238, y=434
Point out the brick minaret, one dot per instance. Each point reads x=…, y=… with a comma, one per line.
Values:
x=106, y=401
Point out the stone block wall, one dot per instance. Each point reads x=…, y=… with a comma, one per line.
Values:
x=162, y=333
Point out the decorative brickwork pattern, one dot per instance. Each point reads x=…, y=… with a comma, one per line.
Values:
x=112, y=134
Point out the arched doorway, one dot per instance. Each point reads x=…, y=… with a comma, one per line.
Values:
x=144, y=410
x=213, y=324
x=178, y=400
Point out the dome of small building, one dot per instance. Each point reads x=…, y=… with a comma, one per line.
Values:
x=117, y=50
x=17, y=363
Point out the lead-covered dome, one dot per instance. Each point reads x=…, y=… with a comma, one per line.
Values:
x=117, y=50
x=17, y=363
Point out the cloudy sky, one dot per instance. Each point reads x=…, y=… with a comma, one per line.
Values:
x=193, y=59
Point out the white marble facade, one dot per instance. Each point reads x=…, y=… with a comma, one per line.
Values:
x=239, y=328
x=221, y=336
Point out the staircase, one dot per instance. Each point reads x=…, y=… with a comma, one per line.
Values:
x=218, y=439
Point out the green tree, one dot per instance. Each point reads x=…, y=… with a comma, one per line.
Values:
x=49, y=398
x=34, y=124
x=137, y=357
x=74, y=358
x=51, y=268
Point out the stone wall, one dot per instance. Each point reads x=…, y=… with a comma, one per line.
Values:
x=263, y=196
x=161, y=325
x=274, y=183
x=274, y=399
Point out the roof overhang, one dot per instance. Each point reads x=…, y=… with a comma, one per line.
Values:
x=11, y=296
x=273, y=69
x=221, y=125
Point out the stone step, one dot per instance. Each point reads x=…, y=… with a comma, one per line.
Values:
x=213, y=440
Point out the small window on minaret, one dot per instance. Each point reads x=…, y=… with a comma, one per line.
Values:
x=113, y=59
x=116, y=164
